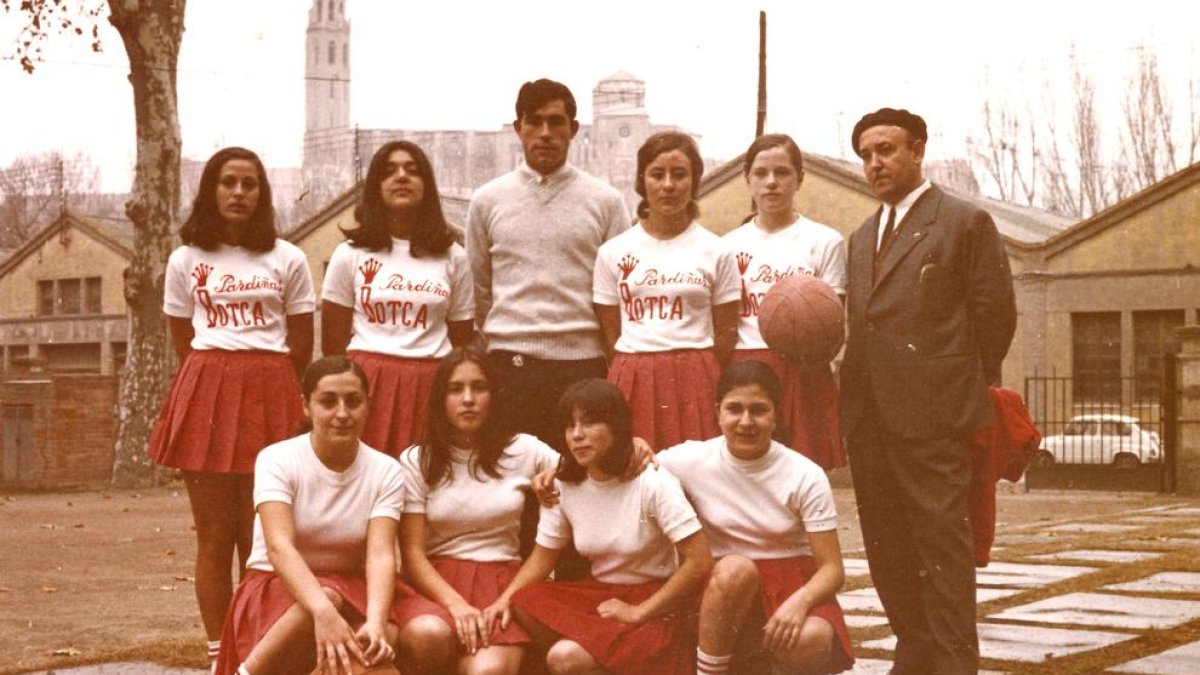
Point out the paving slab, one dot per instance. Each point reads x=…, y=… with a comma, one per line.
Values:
x=867, y=599
x=870, y=667
x=1167, y=543
x=1098, y=555
x=123, y=669
x=1092, y=528
x=1019, y=539
x=855, y=567
x=1026, y=576
x=1106, y=611
x=862, y=600
x=1171, y=662
x=1163, y=582
x=1182, y=511
x=1150, y=520
x=1028, y=643
x=865, y=621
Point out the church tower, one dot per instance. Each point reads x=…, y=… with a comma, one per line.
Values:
x=620, y=124
x=328, y=166
x=327, y=70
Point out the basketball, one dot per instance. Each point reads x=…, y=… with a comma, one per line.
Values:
x=801, y=319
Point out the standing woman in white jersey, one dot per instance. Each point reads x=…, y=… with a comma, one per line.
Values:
x=397, y=294
x=774, y=243
x=769, y=604
x=465, y=489
x=239, y=303
x=321, y=585
x=666, y=294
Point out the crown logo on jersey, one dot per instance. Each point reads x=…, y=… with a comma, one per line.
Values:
x=626, y=266
x=369, y=269
x=200, y=274
x=743, y=262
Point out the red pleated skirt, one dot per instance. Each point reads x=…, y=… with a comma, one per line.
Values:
x=223, y=408
x=262, y=598
x=778, y=580
x=666, y=645
x=479, y=583
x=399, y=392
x=672, y=395
x=809, y=419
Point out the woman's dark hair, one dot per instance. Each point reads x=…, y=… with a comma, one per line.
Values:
x=744, y=373
x=329, y=365
x=494, y=435
x=664, y=142
x=430, y=235
x=597, y=400
x=204, y=227
x=770, y=142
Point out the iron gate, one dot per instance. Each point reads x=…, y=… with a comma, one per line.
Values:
x=1118, y=434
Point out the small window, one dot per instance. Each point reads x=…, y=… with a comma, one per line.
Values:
x=70, y=296
x=92, y=295
x=1096, y=355
x=45, y=298
x=345, y=53
x=332, y=52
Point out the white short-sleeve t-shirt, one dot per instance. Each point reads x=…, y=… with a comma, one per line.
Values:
x=665, y=290
x=763, y=258
x=626, y=528
x=475, y=516
x=331, y=509
x=759, y=508
x=238, y=299
x=401, y=303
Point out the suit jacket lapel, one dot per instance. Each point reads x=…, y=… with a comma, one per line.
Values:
x=911, y=231
x=862, y=262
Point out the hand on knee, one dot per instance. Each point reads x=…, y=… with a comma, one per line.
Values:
x=810, y=652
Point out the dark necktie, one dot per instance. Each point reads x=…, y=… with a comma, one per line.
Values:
x=885, y=242
x=887, y=231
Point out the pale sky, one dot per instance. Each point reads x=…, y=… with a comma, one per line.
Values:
x=455, y=64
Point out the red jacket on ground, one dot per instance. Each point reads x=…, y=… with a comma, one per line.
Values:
x=1002, y=450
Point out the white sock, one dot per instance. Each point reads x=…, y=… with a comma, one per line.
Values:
x=214, y=651
x=243, y=670
x=707, y=664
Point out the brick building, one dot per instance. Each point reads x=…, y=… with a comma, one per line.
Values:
x=63, y=331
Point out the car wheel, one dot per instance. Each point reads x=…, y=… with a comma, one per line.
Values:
x=1126, y=461
x=1043, y=458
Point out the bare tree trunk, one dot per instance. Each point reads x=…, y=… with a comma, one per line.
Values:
x=152, y=31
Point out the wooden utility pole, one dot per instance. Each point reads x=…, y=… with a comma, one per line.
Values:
x=762, y=74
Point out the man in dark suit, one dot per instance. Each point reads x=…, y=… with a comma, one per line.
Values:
x=931, y=314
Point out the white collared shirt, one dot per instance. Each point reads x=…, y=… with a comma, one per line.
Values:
x=902, y=207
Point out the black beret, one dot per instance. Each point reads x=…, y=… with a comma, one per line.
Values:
x=913, y=124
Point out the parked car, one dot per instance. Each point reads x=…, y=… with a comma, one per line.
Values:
x=1101, y=438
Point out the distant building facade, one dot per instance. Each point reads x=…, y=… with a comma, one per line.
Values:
x=62, y=301
x=336, y=155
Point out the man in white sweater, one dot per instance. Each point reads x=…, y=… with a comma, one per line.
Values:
x=532, y=236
